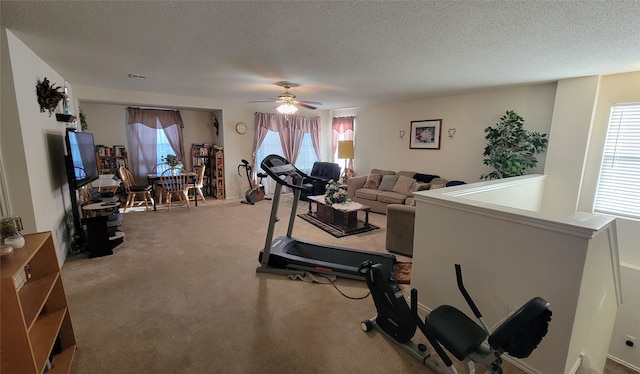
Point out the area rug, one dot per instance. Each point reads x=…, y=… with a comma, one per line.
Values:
x=337, y=233
x=402, y=271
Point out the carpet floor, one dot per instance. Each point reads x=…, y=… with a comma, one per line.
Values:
x=181, y=295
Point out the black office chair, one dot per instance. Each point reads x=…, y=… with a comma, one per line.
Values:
x=326, y=171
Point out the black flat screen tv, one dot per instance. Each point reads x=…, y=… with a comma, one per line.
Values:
x=82, y=167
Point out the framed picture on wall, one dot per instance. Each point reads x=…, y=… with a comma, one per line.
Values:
x=425, y=134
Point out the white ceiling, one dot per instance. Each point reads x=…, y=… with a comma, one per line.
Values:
x=343, y=54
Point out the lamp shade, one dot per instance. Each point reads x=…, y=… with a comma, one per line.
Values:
x=287, y=108
x=345, y=149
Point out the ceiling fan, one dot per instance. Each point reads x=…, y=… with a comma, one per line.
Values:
x=287, y=100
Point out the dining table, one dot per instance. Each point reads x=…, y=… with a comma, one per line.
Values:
x=154, y=179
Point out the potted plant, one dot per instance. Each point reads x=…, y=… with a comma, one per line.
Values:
x=335, y=193
x=172, y=160
x=49, y=96
x=510, y=150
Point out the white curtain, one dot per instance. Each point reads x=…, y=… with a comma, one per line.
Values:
x=143, y=139
x=291, y=130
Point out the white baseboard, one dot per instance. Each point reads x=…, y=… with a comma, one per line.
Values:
x=623, y=363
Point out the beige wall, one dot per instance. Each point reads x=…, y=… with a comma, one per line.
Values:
x=107, y=123
x=378, y=144
x=236, y=146
x=32, y=145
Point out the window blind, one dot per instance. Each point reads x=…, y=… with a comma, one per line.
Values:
x=618, y=191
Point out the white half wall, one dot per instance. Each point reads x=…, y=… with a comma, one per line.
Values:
x=510, y=255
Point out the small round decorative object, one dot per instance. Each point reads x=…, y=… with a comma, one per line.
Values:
x=241, y=128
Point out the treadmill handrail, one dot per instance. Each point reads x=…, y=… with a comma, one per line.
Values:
x=279, y=168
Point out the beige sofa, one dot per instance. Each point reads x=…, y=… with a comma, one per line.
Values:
x=383, y=187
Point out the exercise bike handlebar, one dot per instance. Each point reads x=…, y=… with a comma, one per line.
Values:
x=465, y=294
x=425, y=331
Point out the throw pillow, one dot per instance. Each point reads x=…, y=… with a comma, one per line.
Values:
x=434, y=186
x=403, y=185
x=424, y=177
x=454, y=183
x=387, y=183
x=373, y=181
x=419, y=186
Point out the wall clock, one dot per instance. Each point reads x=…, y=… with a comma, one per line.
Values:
x=241, y=128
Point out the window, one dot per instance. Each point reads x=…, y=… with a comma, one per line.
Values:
x=163, y=147
x=618, y=191
x=271, y=145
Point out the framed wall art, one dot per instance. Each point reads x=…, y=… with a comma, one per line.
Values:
x=425, y=134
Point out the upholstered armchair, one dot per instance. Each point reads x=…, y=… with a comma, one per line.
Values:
x=325, y=171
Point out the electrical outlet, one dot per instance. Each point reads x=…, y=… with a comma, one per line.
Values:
x=630, y=341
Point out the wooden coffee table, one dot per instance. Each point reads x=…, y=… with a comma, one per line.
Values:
x=344, y=218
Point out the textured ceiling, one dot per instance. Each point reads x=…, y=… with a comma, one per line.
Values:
x=343, y=54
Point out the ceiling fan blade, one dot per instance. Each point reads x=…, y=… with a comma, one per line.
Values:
x=300, y=103
x=310, y=102
x=265, y=101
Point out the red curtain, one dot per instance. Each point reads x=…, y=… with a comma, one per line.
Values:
x=342, y=125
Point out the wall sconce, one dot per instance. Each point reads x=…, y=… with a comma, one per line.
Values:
x=401, y=134
x=452, y=132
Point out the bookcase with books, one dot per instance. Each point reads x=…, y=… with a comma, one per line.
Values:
x=110, y=159
x=217, y=165
x=36, y=331
x=201, y=157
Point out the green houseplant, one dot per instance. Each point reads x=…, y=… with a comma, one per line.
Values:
x=172, y=160
x=510, y=150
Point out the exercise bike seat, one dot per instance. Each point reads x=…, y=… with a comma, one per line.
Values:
x=455, y=331
x=521, y=333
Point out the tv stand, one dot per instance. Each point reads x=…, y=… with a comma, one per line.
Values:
x=102, y=221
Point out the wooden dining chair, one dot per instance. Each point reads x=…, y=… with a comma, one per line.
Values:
x=199, y=184
x=175, y=181
x=134, y=191
x=158, y=169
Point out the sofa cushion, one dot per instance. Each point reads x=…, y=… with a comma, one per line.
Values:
x=387, y=183
x=383, y=172
x=403, y=185
x=439, y=182
x=419, y=186
x=373, y=181
x=367, y=193
x=424, y=177
x=391, y=197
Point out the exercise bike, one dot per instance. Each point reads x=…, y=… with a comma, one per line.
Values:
x=255, y=193
x=450, y=328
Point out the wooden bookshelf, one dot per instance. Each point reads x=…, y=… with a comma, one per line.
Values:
x=34, y=314
x=201, y=157
x=110, y=158
x=217, y=165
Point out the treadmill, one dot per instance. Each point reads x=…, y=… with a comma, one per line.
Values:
x=287, y=255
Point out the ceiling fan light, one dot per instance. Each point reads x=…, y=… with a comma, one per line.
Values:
x=287, y=108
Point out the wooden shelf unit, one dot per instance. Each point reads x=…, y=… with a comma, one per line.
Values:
x=217, y=166
x=201, y=157
x=111, y=158
x=35, y=315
